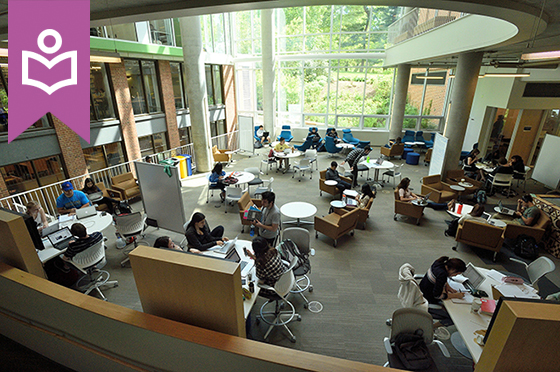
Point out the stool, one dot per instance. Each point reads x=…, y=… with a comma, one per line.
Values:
x=412, y=158
x=406, y=152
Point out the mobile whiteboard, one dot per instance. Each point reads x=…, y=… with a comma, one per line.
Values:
x=546, y=169
x=438, y=154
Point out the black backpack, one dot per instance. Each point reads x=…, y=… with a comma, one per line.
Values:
x=452, y=228
x=412, y=351
x=123, y=208
x=289, y=249
x=480, y=196
x=526, y=246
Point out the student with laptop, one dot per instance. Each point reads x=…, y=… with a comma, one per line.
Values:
x=91, y=189
x=38, y=214
x=83, y=241
x=332, y=174
x=282, y=147
x=475, y=215
x=70, y=200
x=527, y=214
x=199, y=236
x=268, y=264
x=406, y=195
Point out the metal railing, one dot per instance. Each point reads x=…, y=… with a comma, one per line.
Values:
x=227, y=141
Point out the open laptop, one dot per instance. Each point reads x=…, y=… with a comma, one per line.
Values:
x=426, y=197
x=504, y=210
x=60, y=239
x=50, y=229
x=379, y=161
x=474, y=280
x=86, y=212
x=95, y=196
x=226, y=247
x=287, y=151
x=245, y=265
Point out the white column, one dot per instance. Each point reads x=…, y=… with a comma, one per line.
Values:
x=268, y=73
x=399, y=101
x=193, y=56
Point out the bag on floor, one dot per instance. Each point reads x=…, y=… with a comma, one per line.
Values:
x=452, y=228
x=412, y=351
x=480, y=196
x=258, y=144
x=526, y=246
x=123, y=208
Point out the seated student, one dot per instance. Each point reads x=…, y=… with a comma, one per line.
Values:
x=334, y=135
x=263, y=135
x=364, y=197
x=70, y=200
x=469, y=163
x=332, y=174
x=393, y=142
x=83, y=242
x=199, y=236
x=315, y=137
x=527, y=214
x=166, y=242
x=38, y=214
x=90, y=188
x=268, y=264
x=406, y=195
x=502, y=168
x=475, y=215
x=216, y=177
x=280, y=147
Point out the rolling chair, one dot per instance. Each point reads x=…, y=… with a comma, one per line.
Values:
x=89, y=262
x=302, y=166
x=286, y=133
x=257, y=180
x=537, y=269
x=284, y=311
x=131, y=225
x=301, y=238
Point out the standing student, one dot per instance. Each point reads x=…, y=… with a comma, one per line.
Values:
x=353, y=159
x=270, y=219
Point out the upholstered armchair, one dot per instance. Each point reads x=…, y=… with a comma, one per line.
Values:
x=455, y=176
x=220, y=156
x=441, y=191
x=406, y=208
x=363, y=213
x=333, y=190
x=337, y=224
x=536, y=231
x=126, y=184
x=482, y=235
x=244, y=203
x=395, y=150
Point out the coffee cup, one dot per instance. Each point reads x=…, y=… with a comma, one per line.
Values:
x=476, y=304
x=462, y=180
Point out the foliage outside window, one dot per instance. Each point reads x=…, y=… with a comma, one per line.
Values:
x=29, y=175
x=143, y=86
x=101, y=100
x=214, y=85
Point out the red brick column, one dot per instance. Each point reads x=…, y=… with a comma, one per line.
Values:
x=3, y=188
x=169, y=104
x=70, y=148
x=228, y=78
x=124, y=109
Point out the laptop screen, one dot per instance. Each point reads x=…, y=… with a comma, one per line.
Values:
x=474, y=276
x=60, y=236
x=233, y=256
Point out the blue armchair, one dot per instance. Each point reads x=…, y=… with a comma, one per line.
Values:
x=286, y=133
x=306, y=145
x=330, y=146
x=408, y=137
x=348, y=137
x=430, y=142
x=420, y=136
x=363, y=144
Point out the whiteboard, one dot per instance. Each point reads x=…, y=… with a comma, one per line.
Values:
x=438, y=154
x=161, y=195
x=546, y=169
x=246, y=133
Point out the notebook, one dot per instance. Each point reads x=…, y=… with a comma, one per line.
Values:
x=504, y=210
x=50, y=229
x=245, y=266
x=226, y=247
x=287, y=151
x=425, y=197
x=95, y=196
x=60, y=239
x=86, y=212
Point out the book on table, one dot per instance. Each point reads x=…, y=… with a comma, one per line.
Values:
x=488, y=306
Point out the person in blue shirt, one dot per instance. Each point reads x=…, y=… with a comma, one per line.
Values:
x=216, y=178
x=71, y=200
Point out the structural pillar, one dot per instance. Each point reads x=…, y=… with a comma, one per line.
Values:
x=464, y=86
x=399, y=102
x=268, y=71
x=196, y=91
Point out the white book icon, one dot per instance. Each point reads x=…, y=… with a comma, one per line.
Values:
x=27, y=55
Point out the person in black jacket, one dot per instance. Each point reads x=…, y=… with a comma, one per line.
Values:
x=90, y=188
x=434, y=285
x=199, y=236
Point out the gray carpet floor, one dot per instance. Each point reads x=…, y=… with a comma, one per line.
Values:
x=356, y=282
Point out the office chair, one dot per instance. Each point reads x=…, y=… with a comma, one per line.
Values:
x=305, y=145
x=131, y=225
x=409, y=136
x=301, y=238
x=233, y=194
x=89, y=262
x=537, y=269
x=268, y=187
x=257, y=180
x=302, y=166
x=286, y=133
x=348, y=137
x=410, y=320
x=331, y=146
x=280, y=316
x=269, y=161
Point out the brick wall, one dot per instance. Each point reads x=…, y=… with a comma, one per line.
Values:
x=228, y=78
x=3, y=188
x=124, y=107
x=169, y=104
x=70, y=148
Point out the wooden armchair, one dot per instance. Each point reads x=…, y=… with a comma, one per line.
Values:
x=220, y=156
x=363, y=213
x=396, y=150
x=126, y=184
x=441, y=191
x=406, y=208
x=108, y=193
x=337, y=224
x=245, y=203
x=482, y=235
x=536, y=231
x=455, y=176
x=333, y=190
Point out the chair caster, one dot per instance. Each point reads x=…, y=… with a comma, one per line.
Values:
x=389, y=322
x=310, y=288
x=352, y=233
x=299, y=180
x=298, y=319
x=305, y=306
x=293, y=339
x=258, y=321
x=454, y=248
x=316, y=235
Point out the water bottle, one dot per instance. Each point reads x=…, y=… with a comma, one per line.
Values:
x=367, y=159
x=252, y=232
x=120, y=241
x=459, y=208
x=251, y=284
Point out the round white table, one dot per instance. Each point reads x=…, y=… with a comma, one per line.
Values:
x=350, y=193
x=288, y=156
x=344, y=145
x=338, y=204
x=372, y=164
x=466, y=185
x=242, y=177
x=331, y=183
x=298, y=210
x=497, y=223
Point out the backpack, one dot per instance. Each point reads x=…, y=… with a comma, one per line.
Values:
x=480, y=196
x=412, y=351
x=288, y=249
x=258, y=144
x=452, y=228
x=526, y=247
x=123, y=208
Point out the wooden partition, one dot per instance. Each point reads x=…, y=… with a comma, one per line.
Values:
x=190, y=288
x=523, y=338
x=16, y=247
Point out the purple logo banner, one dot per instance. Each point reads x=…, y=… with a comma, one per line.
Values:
x=48, y=52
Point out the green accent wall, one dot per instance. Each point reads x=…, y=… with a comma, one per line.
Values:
x=112, y=45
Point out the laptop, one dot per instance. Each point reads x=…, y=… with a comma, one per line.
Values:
x=245, y=265
x=426, y=197
x=474, y=279
x=86, y=212
x=287, y=151
x=504, y=210
x=50, y=229
x=379, y=161
x=60, y=239
x=95, y=196
x=226, y=247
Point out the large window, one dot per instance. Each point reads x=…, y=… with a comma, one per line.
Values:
x=161, y=31
x=185, y=136
x=100, y=157
x=214, y=85
x=101, y=100
x=29, y=175
x=217, y=127
x=179, y=92
x=153, y=144
x=143, y=86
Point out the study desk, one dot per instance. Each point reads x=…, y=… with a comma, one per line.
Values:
x=242, y=177
x=299, y=210
x=372, y=164
x=283, y=155
x=98, y=222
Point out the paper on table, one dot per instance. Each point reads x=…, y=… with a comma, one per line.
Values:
x=459, y=278
x=65, y=218
x=467, y=299
x=496, y=275
x=514, y=290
